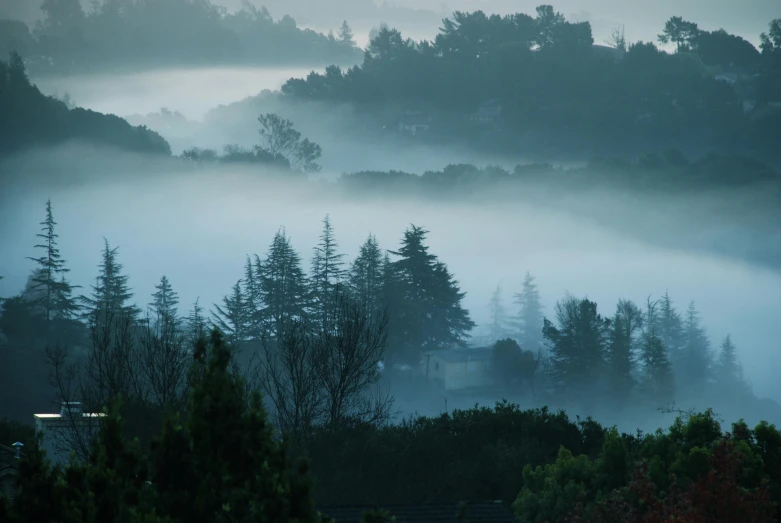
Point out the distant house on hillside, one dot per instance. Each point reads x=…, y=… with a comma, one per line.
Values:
x=61, y=431
x=456, y=369
x=488, y=112
x=415, y=122
x=471, y=511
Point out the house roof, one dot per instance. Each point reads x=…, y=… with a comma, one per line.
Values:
x=473, y=512
x=461, y=355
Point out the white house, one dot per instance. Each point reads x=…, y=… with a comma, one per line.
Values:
x=459, y=368
x=60, y=431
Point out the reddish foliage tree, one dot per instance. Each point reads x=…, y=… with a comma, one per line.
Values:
x=715, y=497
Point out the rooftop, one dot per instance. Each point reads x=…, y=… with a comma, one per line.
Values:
x=473, y=512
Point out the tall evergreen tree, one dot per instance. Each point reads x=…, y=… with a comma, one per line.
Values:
x=110, y=294
x=366, y=275
x=669, y=327
x=426, y=300
x=621, y=357
x=729, y=371
x=196, y=322
x=659, y=383
x=52, y=294
x=530, y=319
x=164, y=302
x=696, y=363
x=283, y=285
x=346, y=35
x=252, y=299
x=327, y=272
x=498, y=316
x=577, y=347
x=231, y=317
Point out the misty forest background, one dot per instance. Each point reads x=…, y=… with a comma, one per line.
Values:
x=334, y=349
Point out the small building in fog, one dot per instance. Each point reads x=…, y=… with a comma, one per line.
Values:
x=63, y=432
x=415, y=122
x=459, y=368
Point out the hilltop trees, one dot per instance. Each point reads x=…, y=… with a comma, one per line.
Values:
x=679, y=32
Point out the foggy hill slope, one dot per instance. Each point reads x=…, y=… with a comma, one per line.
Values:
x=31, y=118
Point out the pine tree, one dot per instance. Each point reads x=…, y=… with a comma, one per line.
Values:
x=252, y=300
x=621, y=357
x=52, y=294
x=578, y=346
x=231, y=317
x=327, y=272
x=426, y=301
x=669, y=327
x=164, y=302
x=530, y=319
x=659, y=380
x=345, y=34
x=729, y=371
x=696, y=360
x=498, y=316
x=283, y=285
x=111, y=293
x=196, y=323
x=366, y=276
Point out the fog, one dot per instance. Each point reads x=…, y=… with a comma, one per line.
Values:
x=192, y=92
x=198, y=227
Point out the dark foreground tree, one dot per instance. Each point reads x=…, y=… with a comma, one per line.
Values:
x=219, y=462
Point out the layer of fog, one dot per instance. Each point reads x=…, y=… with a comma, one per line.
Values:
x=197, y=228
x=191, y=92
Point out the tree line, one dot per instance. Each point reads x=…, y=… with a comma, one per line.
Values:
x=311, y=344
x=559, y=93
x=382, y=309
x=141, y=34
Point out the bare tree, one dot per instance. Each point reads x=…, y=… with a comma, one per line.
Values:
x=165, y=360
x=348, y=354
x=113, y=364
x=74, y=434
x=617, y=39
x=289, y=376
x=109, y=370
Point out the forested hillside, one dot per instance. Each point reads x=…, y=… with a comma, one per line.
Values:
x=122, y=34
x=32, y=119
x=520, y=82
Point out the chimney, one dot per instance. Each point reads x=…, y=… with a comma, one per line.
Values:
x=72, y=408
x=18, y=446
